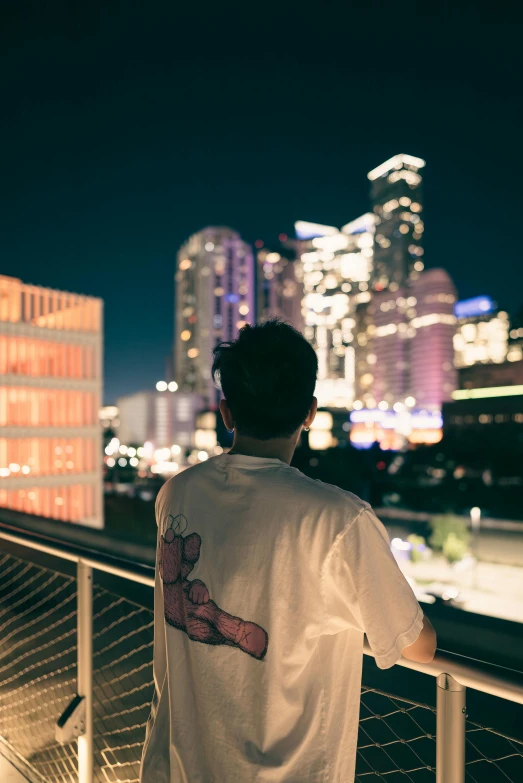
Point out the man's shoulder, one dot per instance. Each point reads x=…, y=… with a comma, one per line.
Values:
x=328, y=495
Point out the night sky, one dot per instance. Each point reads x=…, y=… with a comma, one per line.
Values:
x=128, y=126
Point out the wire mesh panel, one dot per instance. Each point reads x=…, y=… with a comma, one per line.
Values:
x=38, y=673
x=492, y=756
x=37, y=663
x=397, y=739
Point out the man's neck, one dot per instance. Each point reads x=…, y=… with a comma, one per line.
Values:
x=275, y=448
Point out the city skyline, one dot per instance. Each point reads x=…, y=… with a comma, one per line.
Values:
x=115, y=159
x=253, y=251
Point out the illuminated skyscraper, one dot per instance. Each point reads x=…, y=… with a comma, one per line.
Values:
x=50, y=390
x=279, y=291
x=482, y=333
x=383, y=360
x=397, y=204
x=405, y=345
x=335, y=268
x=214, y=299
x=433, y=376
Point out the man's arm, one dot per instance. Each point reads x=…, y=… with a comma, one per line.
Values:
x=424, y=648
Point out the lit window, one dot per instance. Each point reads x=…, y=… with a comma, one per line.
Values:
x=404, y=229
x=209, y=246
x=185, y=335
x=419, y=266
x=192, y=353
x=185, y=264
x=243, y=309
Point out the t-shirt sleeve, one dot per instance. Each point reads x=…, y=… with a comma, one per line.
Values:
x=364, y=588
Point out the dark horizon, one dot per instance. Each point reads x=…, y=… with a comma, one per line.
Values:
x=127, y=133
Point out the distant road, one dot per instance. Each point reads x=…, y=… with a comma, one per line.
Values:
x=500, y=540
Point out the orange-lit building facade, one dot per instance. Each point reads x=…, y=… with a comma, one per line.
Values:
x=50, y=393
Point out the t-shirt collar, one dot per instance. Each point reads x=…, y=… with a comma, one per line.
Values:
x=243, y=460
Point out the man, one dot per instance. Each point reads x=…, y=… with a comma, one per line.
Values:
x=266, y=583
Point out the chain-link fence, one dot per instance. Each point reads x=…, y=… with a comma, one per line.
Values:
x=38, y=622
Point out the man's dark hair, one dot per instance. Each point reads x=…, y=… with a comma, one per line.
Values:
x=268, y=377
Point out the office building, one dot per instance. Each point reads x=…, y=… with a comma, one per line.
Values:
x=404, y=345
x=482, y=332
x=432, y=323
x=479, y=376
x=396, y=194
x=383, y=360
x=161, y=418
x=515, y=344
x=50, y=392
x=334, y=267
x=279, y=292
x=487, y=419
x=214, y=299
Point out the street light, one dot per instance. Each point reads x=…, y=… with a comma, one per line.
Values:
x=475, y=523
x=475, y=519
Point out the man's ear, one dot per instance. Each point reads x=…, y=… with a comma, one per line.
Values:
x=312, y=413
x=226, y=415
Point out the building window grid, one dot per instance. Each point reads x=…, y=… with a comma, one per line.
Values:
x=34, y=407
x=42, y=456
x=45, y=358
x=69, y=503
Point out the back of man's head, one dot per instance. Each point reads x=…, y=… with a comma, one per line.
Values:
x=268, y=377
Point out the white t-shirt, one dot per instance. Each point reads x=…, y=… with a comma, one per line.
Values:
x=266, y=582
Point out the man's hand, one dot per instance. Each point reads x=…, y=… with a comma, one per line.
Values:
x=198, y=592
x=424, y=648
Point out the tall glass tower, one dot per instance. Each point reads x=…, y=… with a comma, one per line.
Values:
x=397, y=204
x=214, y=299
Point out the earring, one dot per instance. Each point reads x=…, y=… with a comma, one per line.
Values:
x=307, y=429
x=230, y=431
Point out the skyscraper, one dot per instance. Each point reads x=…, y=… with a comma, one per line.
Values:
x=405, y=345
x=50, y=390
x=384, y=349
x=335, y=267
x=279, y=292
x=397, y=204
x=482, y=332
x=214, y=299
x=433, y=376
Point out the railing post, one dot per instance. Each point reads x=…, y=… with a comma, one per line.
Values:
x=85, y=669
x=450, y=730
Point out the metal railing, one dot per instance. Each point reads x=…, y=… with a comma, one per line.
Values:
x=63, y=634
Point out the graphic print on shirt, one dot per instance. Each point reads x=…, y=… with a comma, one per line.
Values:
x=187, y=603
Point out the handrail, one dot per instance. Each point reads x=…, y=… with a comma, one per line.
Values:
x=469, y=675
x=98, y=557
